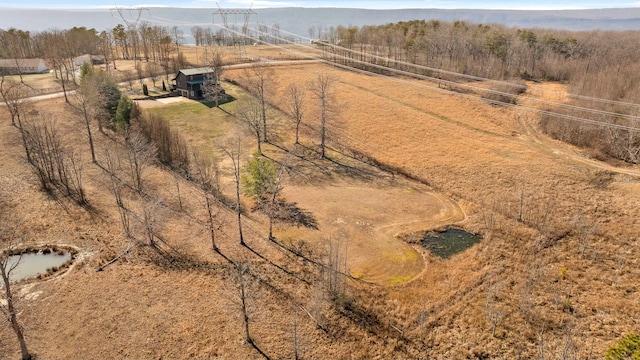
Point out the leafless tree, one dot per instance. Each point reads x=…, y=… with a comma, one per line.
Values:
x=55, y=166
x=113, y=166
x=296, y=335
x=141, y=154
x=173, y=150
x=206, y=173
x=294, y=101
x=8, y=264
x=249, y=113
x=85, y=99
x=585, y=229
x=234, y=156
x=150, y=220
x=259, y=80
x=493, y=309
x=321, y=89
x=177, y=34
x=154, y=71
x=274, y=202
x=335, y=270
x=211, y=88
x=13, y=94
x=244, y=277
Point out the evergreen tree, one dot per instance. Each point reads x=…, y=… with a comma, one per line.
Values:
x=260, y=178
x=123, y=112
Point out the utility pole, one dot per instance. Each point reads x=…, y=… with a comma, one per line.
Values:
x=224, y=14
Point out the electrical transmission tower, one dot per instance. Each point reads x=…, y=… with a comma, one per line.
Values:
x=128, y=15
x=231, y=32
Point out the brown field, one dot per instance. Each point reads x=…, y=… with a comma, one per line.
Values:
x=545, y=291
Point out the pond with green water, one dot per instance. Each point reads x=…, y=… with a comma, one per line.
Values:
x=449, y=242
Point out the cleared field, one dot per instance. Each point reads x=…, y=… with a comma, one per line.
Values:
x=543, y=288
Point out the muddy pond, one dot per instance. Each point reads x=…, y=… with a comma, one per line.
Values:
x=449, y=242
x=33, y=264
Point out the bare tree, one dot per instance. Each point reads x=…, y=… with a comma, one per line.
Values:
x=294, y=100
x=206, y=173
x=335, y=271
x=8, y=264
x=259, y=79
x=141, y=154
x=85, y=99
x=321, y=89
x=113, y=168
x=249, y=113
x=55, y=165
x=154, y=71
x=150, y=222
x=13, y=94
x=296, y=340
x=177, y=34
x=493, y=309
x=243, y=276
x=211, y=88
x=234, y=156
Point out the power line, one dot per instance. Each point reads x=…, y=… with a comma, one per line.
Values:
x=452, y=83
x=133, y=18
x=460, y=75
x=441, y=81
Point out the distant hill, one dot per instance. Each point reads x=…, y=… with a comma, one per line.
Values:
x=298, y=20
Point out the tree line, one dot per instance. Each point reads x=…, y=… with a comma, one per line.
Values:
x=153, y=44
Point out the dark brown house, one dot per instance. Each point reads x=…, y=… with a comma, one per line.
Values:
x=191, y=83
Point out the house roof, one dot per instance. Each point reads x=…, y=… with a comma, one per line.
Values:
x=197, y=71
x=88, y=58
x=11, y=63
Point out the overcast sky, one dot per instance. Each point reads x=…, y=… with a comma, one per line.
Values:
x=366, y=4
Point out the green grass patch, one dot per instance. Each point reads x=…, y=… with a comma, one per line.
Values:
x=200, y=125
x=397, y=280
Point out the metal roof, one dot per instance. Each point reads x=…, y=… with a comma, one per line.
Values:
x=197, y=71
x=11, y=63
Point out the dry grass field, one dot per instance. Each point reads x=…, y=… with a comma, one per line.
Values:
x=529, y=289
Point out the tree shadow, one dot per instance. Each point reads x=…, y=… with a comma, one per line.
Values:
x=290, y=213
x=255, y=346
x=276, y=265
x=223, y=100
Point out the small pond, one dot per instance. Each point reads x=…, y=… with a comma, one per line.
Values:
x=449, y=242
x=34, y=264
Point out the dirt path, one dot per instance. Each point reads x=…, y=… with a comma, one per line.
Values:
x=367, y=221
x=555, y=92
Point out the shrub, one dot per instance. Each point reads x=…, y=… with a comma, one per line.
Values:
x=172, y=147
x=627, y=348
